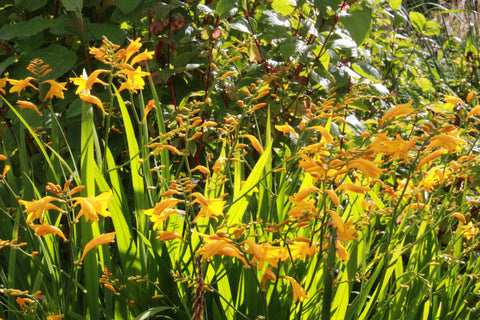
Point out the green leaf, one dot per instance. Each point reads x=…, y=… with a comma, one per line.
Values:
x=418, y=21
x=432, y=28
x=26, y=28
x=227, y=8
x=127, y=6
x=73, y=5
x=240, y=25
x=237, y=210
x=4, y=64
x=358, y=23
x=112, y=32
x=380, y=89
x=29, y=5
x=284, y=7
x=395, y=4
x=366, y=70
x=425, y=84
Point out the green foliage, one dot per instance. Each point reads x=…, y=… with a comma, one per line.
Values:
x=299, y=159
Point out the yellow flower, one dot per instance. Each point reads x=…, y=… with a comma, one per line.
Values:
x=286, y=128
x=325, y=134
x=353, y=187
x=345, y=231
x=56, y=89
x=92, y=99
x=44, y=229
x=145, y=55
x=97, y=241
x=150, y=105
x=298, y=292
x=36, y=208
x=401, y=109
x=19, y=85
x=447, y=141
x=218, y=246
x=470, y=230
x=90, y=208
x=211, y=208
x=459, y=216
x=162, y=211
x=397, y=149
x=342, y=252
x=134, y=80
x=301, y=249
x=85, y=84
x=268, y=275
x=3, y=83
x=168, y=235
x=22, y=104
x=368, y=168
x=265, y=252
x=453, y=100
x=427, y=159
x=255, y=143
x=131, y=49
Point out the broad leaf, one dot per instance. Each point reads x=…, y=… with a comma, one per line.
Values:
x=26, y=28
x=358, y=23
x=127, y=6
x=418, y=21
x=73, y=5
x=395, y=4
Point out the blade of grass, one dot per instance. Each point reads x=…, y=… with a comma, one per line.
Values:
x=238, y=208
x=89, y=230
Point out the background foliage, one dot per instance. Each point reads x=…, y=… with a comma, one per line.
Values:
x=256, y=104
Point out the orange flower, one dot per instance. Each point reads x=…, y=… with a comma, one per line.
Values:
x=202, y=169
x=401, y=109
x=85, y=83
x=353, y=187
x=368, y=168
x=150, y=105
x=298, y=292
x=56, y=89
x=325, y=134
x=97, y=241
x=36, y=208
x=133, y=79
x=162, y=211
x=168, y=235
x=92, y=99
x=19, y=85
x=90, y=208
x=470, y=231
x=55, y=317
x=218, y=246
x=211, y=208
x=145, y=55
x=448, y=141
x=427, y=159
x=286, y=128
x=255, y=143
x=22, y=104
x=268, y=275
x=460, y=217
x=131, y=49
x=44, y=229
